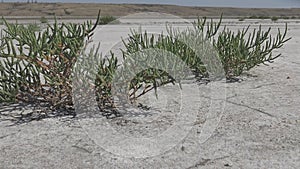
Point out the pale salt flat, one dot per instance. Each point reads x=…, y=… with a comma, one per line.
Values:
x=259, y=126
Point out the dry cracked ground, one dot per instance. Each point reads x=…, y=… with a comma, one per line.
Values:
x=259, y=127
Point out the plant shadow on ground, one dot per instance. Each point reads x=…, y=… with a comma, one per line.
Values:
x=20, y=113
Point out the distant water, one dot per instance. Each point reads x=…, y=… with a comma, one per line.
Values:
x=210, y=3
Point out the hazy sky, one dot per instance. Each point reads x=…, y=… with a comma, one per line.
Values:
x=220, y=3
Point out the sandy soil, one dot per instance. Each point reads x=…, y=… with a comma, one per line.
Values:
x=85, y=9
x=258, y=126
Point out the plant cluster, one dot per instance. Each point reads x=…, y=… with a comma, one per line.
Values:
x=242, y=51
x=43, y=19
x=238, y=52
x=107, y=19
x=273, y=18
x=38, y=66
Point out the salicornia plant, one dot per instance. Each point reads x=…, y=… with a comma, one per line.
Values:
x=242, y=50
x=238, y=51
x=37, y=66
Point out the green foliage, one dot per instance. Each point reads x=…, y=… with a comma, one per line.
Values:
x=142, y=82
x=106, y=70
x=67, y=11
x=145, y=80
x=238, y=52
x=43, y=19
x=263, y=17
x=286, y=17
x=107, y=19
x=259, y=17
x=138, y=42
x=37, y=67
x=244, y=50
x=253, y=17
x=94, y=70
x=241, y=19
x=149, y=79
x=34, y=27
x=274, y=18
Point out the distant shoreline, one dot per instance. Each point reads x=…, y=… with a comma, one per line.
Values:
x=88, y=10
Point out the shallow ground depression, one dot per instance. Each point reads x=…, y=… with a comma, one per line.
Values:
x=259, y=127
